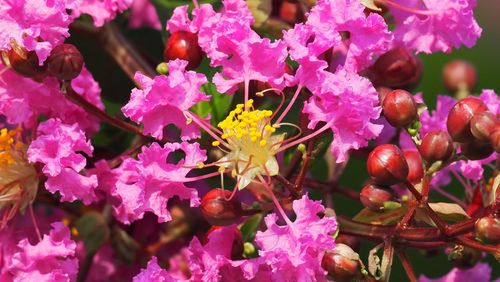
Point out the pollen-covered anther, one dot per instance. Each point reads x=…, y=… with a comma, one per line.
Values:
x=8, y=144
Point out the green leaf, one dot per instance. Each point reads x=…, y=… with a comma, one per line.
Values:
x=93, y=230
x=447, y=211
x=249, y=228
x=380, y=218
x=218, y=105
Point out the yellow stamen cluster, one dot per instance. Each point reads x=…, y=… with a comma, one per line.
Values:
x=246, y=122
x=9, y=142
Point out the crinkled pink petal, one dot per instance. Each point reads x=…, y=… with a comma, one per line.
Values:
x=37, y=25
x=101, y=11
x=450, y=25
x=294, y=251
x=51, y=259
x=163, y=100
x=143, y=14
x=348, y=103
x=153, y=272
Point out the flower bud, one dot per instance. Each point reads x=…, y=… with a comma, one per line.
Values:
x=488, y=230
x=237, y=247
x=341, y=267
x=65, y=62
x=387, y=165
x=291, y=12
x=464, y=257
x=23, y=62
x=183, y=45
x=476, y=150
x=459, y=74
x=400, y=108
x=495, y=138
x=482, y=124
x=397, y=68
x=415, y=166
x=436, y=146
x=219, y=211
x=460, y=116
x=374, y=196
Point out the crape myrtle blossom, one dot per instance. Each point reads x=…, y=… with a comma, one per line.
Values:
x=430, y=26
x=147, y=184
x=290, y=252
x=101, y=11
x=481, y=272
x=23, y=100
x=57, y=147
x=143, y=14
x=50, y=259
x=173, y=94
x=37, y=25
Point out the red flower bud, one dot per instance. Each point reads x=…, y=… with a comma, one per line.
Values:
x=65, y=62
x=460, y=116
x=183, y=45
x=291, y=12
x=476, y=150
x=400, y=108
x=387, y=165
x=219, y=211
x=459, y=74
x=23, y=62
x=482, y=124
x=488, y=230
x=373, y=197
x=340, y=267
x=397, y=68
x=237, y=247
x=436, y=146
x=415, y=166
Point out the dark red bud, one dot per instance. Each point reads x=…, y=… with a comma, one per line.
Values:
x=219, y=211
x=397, y=68
x=24, y=63
x=415, y=166
x=482, y=124
x=291, y=12
x=387, y=165
x=374, y=196
x=476, y=150
x=436, y=146
x=459, y=74
x=400, y=109
x=339, y=267
x=183, y=45
x=488, y=230
x=237, y=247
x=65, y=62
x=460, y=116
x=495, y=138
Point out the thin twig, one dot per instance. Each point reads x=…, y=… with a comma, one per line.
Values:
x=407, y=266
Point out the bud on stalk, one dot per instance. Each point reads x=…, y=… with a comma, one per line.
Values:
x=482, y=124
x=387, y=165
x=375, y=197
x=183, y=45
x=400, y=108
x=415, y=166
x=24, y=62
x=488, y=230
x=397, y=68
x=460, y=116
x=459, y=75
x=65, y=62
x=219, y=211
x=436, y=146
x=342, y=264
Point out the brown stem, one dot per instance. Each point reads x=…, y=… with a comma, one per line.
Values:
x=320, y=185
x=294, y=163
x=407, y=266
x=289, y=185
x=299, y=181
x=495, y=250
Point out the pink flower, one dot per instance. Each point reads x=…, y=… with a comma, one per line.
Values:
x=157, y=181
x=154, y=272
x=162, y=101
x=37, y=25
x=22, y=100
x=481, y=272
x=347, y=102
x=101, y=11
x=56, y=147
x=143, y=14
x=368, y=35
x=51, y=259
x=447, y=24
x=228, y=41
x=294, y=251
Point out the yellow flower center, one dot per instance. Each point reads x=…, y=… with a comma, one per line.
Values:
x=9, y=142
